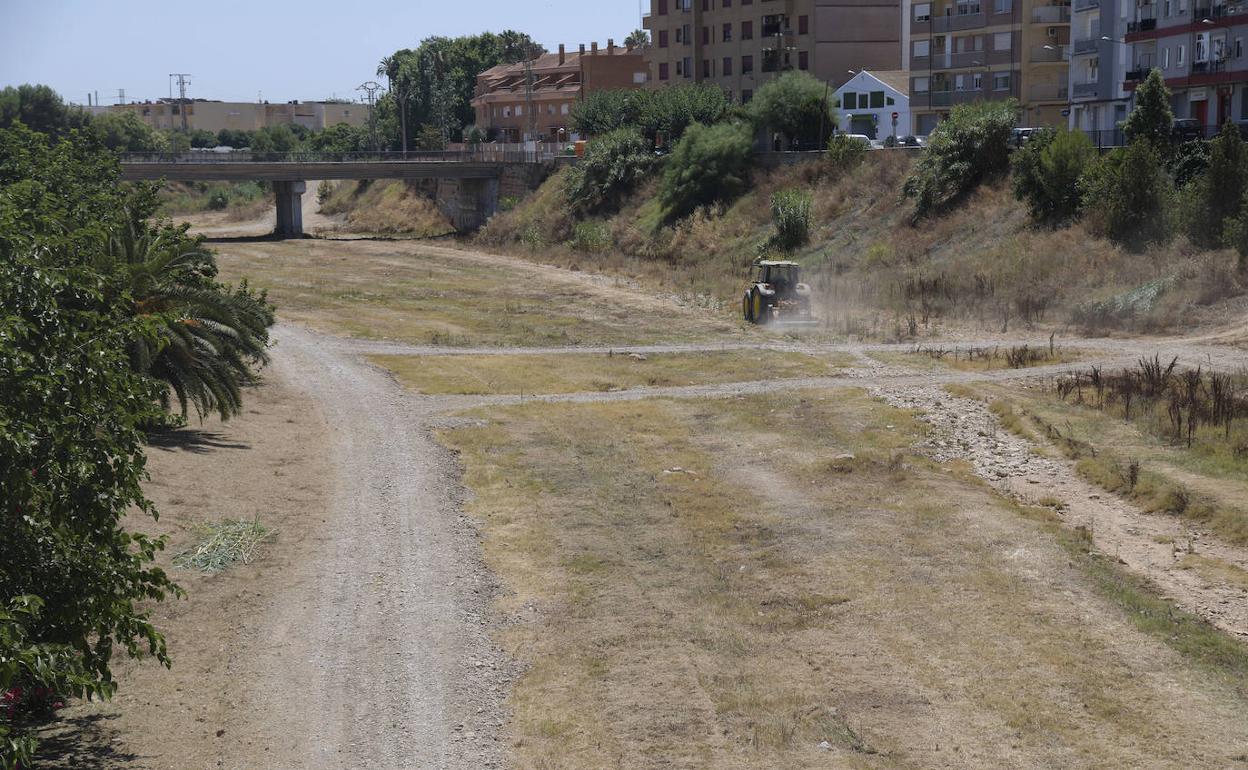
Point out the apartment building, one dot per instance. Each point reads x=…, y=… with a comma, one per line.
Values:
x=1199, y=46
x=974, y=50
x=208, y=115
x=741, y=44
x=533, y=99
x=1099, y=65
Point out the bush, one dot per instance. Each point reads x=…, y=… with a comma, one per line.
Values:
x=602, y=112
x=796, y=104
x=1220, y=192
x=665, y=112
x=972, y=145
x=1046, y=173
x=591, y=237
x=1127, y=194
x=710, y=164
x=611, y=168
x=1189, y=161
x=218, y=200
x=845, y=152
x=791, y=211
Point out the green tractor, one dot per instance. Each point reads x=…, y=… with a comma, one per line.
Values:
x=777, y=294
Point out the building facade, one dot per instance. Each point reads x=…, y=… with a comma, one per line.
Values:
x=1199, y=47
x=1098, y=66
x=976, y=50
x=202, y=114
x=870, y=100
x=533, y=99
x=741, y=44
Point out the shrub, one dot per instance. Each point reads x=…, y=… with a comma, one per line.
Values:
x=1152, y=118
x=324, y=190
x=791, y=211
x=218, y=200
x=1220, y=191
x=1047, y=171
x=1127, y=193
x=602, y=112
x=970, y=146
x=710, y=164
x=612, y=166
x=591, y=237
x=796, y=104
x=845, y=152
x=665, y=112
x=1189, y=161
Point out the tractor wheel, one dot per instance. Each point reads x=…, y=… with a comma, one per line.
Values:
x=759, y=308
x=747, y=310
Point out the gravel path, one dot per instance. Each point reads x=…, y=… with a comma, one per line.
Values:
x=381, y=634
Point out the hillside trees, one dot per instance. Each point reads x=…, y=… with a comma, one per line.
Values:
x=1127, y=193
x=710, y=164
x=1221, y=191
x=796, y=105
x=1152, y=118
x=40, y=108
x=1046, y=173
x=660, y=115
x=972, y=145
x=612, y=167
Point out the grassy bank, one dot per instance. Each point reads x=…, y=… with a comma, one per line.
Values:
x=386, y=207
x=238, y=200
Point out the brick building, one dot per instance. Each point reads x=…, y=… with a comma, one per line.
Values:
x=741, y=44
x=533, y=99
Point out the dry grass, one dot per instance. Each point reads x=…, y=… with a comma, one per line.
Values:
x=409, y=291
x=389, y=207
x=985, y=359
x=728, y=583
x=570, y=373
x=1215, y=570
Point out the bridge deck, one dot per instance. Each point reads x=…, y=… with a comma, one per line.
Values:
x=303, y=171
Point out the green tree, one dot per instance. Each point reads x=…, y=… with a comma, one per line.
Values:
x=971, y=145
x=613, y=165
x=1046, y=173
x=796, y=105
x=339, y=138
x=602, y=112
x=126, y=132
x=277, y=139
x=1220, y=192
x=668, y=112
x=638, y=38
x=39, y=108
x=1152, y=118
x=710, y=164
x=203, y=139
x=1127, y=194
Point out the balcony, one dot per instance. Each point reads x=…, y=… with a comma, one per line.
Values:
x=957, y=23
x=1051, y=14
x=1086, y=5
x=1091, y=45
x=1045, y=92
x=1146, y=24
x=1084, y=90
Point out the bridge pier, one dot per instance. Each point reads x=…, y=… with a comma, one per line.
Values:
x=289, y=208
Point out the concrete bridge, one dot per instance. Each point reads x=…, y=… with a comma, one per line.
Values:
x=466, y=184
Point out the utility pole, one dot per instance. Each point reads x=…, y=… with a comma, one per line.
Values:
x=371, y=88
x=528, y=98
x=184, y=80
x=121, y=96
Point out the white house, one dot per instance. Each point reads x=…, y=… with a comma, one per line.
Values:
x=875, y=104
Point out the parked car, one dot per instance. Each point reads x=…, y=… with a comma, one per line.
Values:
x=862, y=138
x=1019, y=136
x=1187, y=129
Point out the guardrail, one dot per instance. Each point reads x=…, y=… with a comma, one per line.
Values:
x=484, y=154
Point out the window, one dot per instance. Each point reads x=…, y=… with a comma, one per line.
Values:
x=747, y=29
x=977, y=81
x=563, y=109
x=680, y=34
x=726, y=4
x=1239, y=47
x=706, y=36
x=922, y=11
x=1243, y=103
x=550, y=109
x=922, y=48
x=1000, y=81
x=727, y=66
x=1165, y=58
x=1182, y=6
x=803, y=25
x=849, y=100
x=1002, y=41
x=960, y=81
x=727, y=33
x=1002, y=6
x=890, y=101
x=1180, y=56
x=687, y=66
x=519, y=110
x=877, y=100
x=706, y=5
x=747, y=66
x=921, y=85
x=1165, y=9
x=662, y=38
x=663, y=71
x=1200, y=51
x=506, y=110
x=640, y=78
x=662, y=7
x=771, y=60
x=803, y=60
x=707, y=71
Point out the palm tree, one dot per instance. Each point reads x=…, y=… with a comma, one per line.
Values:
x=205, y=338
x=638, y=38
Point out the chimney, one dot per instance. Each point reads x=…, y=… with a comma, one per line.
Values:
x=593, y=48
x=582, y=49
x=610, y=45
x=562, y=54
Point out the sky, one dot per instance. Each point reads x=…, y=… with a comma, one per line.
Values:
x=271, y=49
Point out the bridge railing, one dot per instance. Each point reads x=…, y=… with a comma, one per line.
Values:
x=479, y=154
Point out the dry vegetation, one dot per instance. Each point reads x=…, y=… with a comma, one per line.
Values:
x=769, y=582
x=983, y=359
x=570, y=373
x=387, y=207
x=438, y=296
x=982, y=264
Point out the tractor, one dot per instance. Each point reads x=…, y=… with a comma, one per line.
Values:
x=777, y=294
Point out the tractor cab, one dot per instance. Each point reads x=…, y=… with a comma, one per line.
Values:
x=777, y=294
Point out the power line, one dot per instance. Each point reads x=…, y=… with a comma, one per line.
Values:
x=371, y=88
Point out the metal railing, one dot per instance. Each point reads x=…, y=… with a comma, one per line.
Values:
x=1050, y=14
x=1086, y=5
x=481, y=154
x=1087, y=45
x=1045, y=92
x=1086, y=89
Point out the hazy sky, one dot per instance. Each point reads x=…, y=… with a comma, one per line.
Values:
x=285, y=50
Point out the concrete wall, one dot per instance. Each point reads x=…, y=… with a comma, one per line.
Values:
x=469, y=203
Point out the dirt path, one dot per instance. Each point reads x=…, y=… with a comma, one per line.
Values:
x=380, y=632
